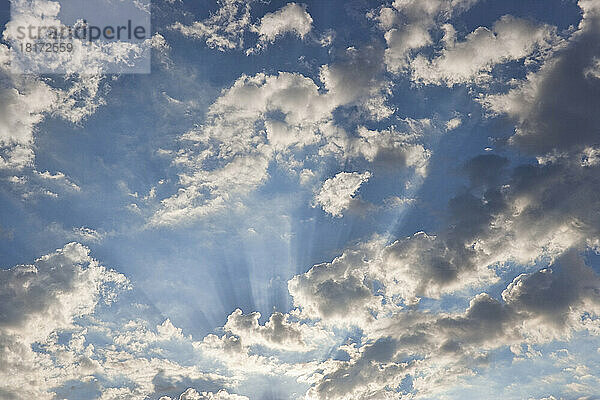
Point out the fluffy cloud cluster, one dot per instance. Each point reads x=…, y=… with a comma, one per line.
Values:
x=277, y=333
x=225, y=29
x=86, y=57
x=408, y=23
x=193, y=394
x=22, y=108
x=39, y=300
x=56, y=339
x=339, y=292
x=388, y=147
x=472, y=59
x=337, y=193
x=263, y=118
x=27, y=101
x=291, y=18
x=409, y=27
x=555, y=107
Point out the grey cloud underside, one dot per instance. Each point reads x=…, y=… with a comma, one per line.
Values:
x=538, y=211
x=535, y=307
x=556, y=108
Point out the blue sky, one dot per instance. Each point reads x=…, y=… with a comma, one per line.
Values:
x=406, y=193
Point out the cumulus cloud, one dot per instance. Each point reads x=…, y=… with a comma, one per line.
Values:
x=23, y=106
x=407, y=25
x=436, y=350
x=291, y=18
x=278, y=332
x=358, y=77
x=47, y=295
x=554, y=108
x=88, y=234
x=40, y=299
x=340, y=291
x=337, y=193
x=86, y=57
x=453, y=124
x=473, y=59
x=552, y=302
x=264, y=116
x=224, y=29
x=391, y=147
x=56, y=342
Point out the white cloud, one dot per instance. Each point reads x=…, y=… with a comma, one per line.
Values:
x=85, y=58
x=47, y=295
x=453, y=123
x=55, y=340
x=278, y=332
x=291, y=18
x=261, y=117
x=337, y=193
x=358, y=79
x=88, y=234
x=391, y=147
x=37, y=301
x=306, y=175
x=407, y=25
x=339, y=292
x=223, y=30
x=24, y=103
x=472, y=60
x=58, y=177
